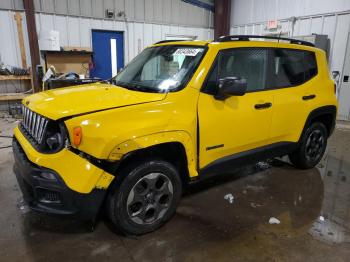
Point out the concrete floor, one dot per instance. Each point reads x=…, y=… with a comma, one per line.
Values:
x=313, y=207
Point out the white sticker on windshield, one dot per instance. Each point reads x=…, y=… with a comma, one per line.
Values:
x=188, y=51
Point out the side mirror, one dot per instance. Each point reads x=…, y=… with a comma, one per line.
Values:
x=231, y=86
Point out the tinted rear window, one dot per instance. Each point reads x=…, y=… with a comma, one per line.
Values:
x=292, y=67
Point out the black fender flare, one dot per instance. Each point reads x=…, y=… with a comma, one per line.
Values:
x=330, y=110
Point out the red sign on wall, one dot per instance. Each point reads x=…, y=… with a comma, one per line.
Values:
x=272, y=24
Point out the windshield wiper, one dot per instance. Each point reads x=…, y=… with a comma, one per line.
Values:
x=137, y=87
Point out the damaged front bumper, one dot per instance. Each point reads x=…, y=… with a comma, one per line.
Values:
x=61, y=183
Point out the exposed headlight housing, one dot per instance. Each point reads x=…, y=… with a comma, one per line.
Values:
x=46, y=135
x=55, y=137
x=54, y=141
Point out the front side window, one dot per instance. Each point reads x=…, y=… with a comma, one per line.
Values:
x=263, y=68
x=248, y=63
x=292, y=67
x=161, y=69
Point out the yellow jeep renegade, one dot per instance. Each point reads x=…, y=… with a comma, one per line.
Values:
x=180, y=111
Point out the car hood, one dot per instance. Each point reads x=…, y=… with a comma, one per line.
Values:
x=82, y=99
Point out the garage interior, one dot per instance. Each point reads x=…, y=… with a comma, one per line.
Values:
x=269, y=211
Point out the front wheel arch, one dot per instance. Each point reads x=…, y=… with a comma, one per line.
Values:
x=172, y=152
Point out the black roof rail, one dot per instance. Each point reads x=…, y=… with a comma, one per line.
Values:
x=168, y=41
x=229, y=38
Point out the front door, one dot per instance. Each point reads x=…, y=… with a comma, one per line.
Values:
x=108, y=58
x=238, y=123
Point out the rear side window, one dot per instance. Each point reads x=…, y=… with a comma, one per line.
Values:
x=292, y=67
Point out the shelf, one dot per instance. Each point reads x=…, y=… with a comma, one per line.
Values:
x=12, y=96
x=13, y=77
x=68, y=52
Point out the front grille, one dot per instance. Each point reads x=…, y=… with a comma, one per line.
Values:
x=34, y=124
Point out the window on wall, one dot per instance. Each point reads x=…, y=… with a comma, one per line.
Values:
x=292, y=67
x=248, y=63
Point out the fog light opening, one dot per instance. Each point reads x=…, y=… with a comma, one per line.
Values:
x=48, y=196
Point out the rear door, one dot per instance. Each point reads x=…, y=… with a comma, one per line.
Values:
x=293, y=79
x=238, y=123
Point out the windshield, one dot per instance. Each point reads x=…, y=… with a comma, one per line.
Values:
x=161, y=69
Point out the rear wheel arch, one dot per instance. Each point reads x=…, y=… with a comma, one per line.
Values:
x=311, y=147
x=325, y=115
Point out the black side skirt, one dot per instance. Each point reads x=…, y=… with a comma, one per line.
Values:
x=226, y=164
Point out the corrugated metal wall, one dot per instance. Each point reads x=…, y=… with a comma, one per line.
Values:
x=9, y=46
x=313, y=16
x=335, y=25
x=331, y=18
x=76, y=31
x=255, y=11
x=11, y=4
x=9, y=50
x=148, y=21
x=159, y=11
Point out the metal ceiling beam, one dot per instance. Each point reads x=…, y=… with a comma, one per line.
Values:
x=33, y=40
x=222, y=18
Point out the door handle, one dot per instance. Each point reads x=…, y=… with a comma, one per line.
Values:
x=263, y=106
x=309, y=97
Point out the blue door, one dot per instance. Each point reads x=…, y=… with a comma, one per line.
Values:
x=108, y=48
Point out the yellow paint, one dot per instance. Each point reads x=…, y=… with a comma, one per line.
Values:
x=104, y=181
x=136, y=120
x=62, y=102
x=291, y=112
x=155, y=139
x=233, y=122
x=78, y=174
x=236, y=124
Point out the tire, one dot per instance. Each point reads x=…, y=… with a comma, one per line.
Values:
x=145, y=198
x=311, y=147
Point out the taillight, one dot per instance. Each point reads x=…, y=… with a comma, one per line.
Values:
x=335, y=88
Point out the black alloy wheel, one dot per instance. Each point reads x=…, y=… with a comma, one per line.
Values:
x=149, y=198
x=312, y=146
x=144, y=196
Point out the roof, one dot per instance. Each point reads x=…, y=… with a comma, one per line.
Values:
x=240, y=38
x=181, y=42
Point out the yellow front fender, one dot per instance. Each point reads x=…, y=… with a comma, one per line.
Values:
x=159, y=138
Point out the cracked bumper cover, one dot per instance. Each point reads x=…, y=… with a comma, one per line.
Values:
x=62, y=183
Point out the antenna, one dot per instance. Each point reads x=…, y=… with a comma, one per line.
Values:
x=279, y=36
